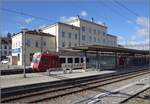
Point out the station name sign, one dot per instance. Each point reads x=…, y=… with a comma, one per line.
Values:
x=16, y=50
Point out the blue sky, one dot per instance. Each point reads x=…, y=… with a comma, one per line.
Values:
x=129, y=28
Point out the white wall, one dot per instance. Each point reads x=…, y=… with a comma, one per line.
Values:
x=18, y=41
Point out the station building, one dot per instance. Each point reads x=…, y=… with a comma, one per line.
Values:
x=58, y=37
x=27, y=42
x=80, y=32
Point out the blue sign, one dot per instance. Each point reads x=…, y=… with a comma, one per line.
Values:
x=16, y=50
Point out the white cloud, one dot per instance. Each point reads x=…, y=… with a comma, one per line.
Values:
x=143, y=26
x=42, y=26
x=121, y=40
x=83, y=13
x=29, y=20
x=64, y=18
x=100, y=22
x=143, y=21
x=141, y=34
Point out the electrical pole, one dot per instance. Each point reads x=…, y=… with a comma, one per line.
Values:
x=24, y=52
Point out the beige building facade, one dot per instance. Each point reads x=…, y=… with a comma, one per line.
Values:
x=66, y=35
x=27, y=42
x=80, y=32
x=5, y=47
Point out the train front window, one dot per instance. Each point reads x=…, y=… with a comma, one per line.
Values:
x=45, y=60
x=36, y=59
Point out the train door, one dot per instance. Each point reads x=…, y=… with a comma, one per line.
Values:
x=45, y=62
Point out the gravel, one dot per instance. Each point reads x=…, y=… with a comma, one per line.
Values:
x=70, y=99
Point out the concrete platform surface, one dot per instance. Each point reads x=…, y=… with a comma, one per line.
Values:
x=33, y=78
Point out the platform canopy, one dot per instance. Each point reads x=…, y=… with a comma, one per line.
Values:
x=103, y=48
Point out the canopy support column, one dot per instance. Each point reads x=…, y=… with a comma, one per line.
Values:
x=84, y=60
x=116, y=60
x=97, y=60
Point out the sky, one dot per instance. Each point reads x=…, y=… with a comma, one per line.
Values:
x=127, y=19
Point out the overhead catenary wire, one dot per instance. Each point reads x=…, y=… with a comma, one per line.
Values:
x=114, y=10
x=24, y=14
x=126, y=8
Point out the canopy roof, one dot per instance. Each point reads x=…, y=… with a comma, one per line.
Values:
x=110, y=49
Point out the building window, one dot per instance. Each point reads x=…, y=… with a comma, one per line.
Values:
x=94, y=31
x=76, y=37
x=69, y=35
x=69, y=44
x=94, y=39
x=99, y=32
x=63, y=34
x=28, y=43
x=90, y=38
x=83, y=28
x=63, y=44
x=83, y=37
x=9, y=52
x=36, y=44
x=89, y=30
x=9, y=47
x=5, y=47
x=44, y=43
x=19, y=44
x=104, y=32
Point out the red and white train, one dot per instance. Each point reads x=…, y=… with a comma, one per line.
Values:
x=54, y=61
x=50, y=60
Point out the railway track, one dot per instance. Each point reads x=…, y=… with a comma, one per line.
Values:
x=133, y=96
x=66, y=88
x=16, y=71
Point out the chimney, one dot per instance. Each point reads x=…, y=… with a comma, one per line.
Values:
x=39, y=30
x=35, y=30
x=92, y=19
x=78, y=17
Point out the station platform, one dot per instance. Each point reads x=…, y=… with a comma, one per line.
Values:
x=8, y=81
x=34, y=78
